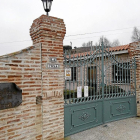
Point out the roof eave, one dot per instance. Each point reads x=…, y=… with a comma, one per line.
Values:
x=120, y=52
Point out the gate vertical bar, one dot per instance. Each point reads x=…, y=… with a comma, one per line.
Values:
x=134, y=67
x=102, y=45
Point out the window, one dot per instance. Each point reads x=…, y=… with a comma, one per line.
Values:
x=92, y=75
x=120, y=73
x=73, y=74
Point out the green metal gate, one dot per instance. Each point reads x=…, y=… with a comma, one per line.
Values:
x=99, y=88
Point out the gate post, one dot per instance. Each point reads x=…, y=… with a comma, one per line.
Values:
x=102, y=45
x=50, y=32
x=134, y=51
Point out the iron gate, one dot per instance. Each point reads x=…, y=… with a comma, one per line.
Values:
x=100, y=88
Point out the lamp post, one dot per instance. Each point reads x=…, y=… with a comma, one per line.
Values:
x=47, y=5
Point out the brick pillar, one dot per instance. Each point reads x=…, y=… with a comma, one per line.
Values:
x=50, y=31
x=134, y=51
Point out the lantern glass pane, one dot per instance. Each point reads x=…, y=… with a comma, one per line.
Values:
x=45, y=4
x=49, y=4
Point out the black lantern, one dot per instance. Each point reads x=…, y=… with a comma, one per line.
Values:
x=47, y=5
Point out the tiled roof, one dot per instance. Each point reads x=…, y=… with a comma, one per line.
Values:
x=119, y=48
x=113, y=49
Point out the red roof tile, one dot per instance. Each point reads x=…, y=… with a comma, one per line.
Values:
x=113, y=49
x=119, y=48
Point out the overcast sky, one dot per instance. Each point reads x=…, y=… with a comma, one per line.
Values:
x=98, y=17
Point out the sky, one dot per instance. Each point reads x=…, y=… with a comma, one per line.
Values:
x=113, y=19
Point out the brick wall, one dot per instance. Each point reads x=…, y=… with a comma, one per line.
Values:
x=134, y=51
x=28, y=70
x=24, y=69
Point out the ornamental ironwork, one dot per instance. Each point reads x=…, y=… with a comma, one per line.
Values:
x=121, y=108
x=84, y=116
x=10, y=96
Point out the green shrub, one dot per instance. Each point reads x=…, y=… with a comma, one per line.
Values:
x=108, y=89
x=112, y=89
x=68, y=93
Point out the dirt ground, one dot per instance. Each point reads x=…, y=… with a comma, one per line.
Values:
x=127, y=129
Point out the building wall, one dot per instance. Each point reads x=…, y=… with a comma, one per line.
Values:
x=24, y=69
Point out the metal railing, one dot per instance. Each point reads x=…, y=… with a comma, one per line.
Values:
x=104, y=74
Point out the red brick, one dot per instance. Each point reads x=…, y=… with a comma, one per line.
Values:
x=13, y=121
x=15, y=65
x=4, y=68
x=11, y=137
x=14, y=129
x=16, y=61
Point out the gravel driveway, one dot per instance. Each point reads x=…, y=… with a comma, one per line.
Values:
x=128, y=129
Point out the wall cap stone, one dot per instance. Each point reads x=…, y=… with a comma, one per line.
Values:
x=17, y=52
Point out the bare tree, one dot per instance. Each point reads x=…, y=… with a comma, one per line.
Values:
x=106, y=42
x=88, y=44
x=84, y=45
x=136, y=34
x=115, y=43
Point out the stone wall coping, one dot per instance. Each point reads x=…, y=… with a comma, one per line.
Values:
x=17, y=52
x=48, y=17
